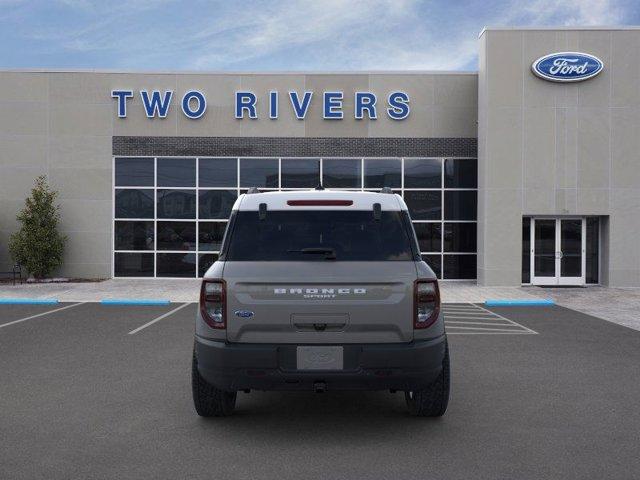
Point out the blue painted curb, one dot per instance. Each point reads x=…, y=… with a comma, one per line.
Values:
x=133, y=301
x=28, y=301
x=519, y=303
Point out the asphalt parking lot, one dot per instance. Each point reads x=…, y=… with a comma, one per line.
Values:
x=91, y=391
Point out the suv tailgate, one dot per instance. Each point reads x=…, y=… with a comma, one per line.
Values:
x=303, y=302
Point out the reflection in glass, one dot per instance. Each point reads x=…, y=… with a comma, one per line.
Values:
x=134, y=172
x=424, y=205
x=176, y=172
x=526, y=250
x=259, y=172
x=300, y=173
x=435, y=262
x=592, y=240
x=205, y=261
x=460, y=173
x=133, y=235
x=176, y=236
x=460, y=205
x=460, y=237
x=429, y=236
x=176, y=203
x=134, y=203
x=133, y=264
x=218, y=172
x=571, y=248
x=210, y=235
x=459, y=267
x=380, y=173
x=422, y=173
x=216, y=203
x=544, y=255
x=176, y=264
x=341, y=173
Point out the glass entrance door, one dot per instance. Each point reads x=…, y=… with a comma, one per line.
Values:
x=558, y=251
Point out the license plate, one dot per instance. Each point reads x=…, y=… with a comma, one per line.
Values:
x=320, y=358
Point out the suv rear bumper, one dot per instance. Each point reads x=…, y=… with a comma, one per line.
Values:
x=397, y=366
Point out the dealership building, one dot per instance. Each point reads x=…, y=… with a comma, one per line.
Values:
x=524, y=172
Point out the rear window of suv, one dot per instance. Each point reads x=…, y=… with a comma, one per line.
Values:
x=319, y=235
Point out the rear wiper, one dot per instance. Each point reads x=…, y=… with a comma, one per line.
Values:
x=330, y=253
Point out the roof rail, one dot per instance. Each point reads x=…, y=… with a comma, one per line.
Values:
x=386, y=190
x=253, y=190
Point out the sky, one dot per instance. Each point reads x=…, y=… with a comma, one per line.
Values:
x=275, y=35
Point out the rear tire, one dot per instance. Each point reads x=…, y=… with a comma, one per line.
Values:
x=208, y=400
x=431, y=401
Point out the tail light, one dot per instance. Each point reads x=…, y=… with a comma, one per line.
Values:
x=426, y=303
x=213, y=303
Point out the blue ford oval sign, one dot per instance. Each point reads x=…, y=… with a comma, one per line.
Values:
x=567, y=66
x=243, y=313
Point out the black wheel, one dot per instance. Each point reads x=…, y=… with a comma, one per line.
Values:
x=432, y=401
x=209, y=400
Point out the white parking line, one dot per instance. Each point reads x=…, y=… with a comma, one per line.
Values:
x=40, y=314
x=456, y=316
x=484, y=329
x=159, y=318
x=489, y=332
x=478, y=323
x=510, y=321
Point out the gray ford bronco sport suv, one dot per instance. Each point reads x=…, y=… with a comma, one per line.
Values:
x=320, y=290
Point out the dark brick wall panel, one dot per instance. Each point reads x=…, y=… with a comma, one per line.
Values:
x=294, y=146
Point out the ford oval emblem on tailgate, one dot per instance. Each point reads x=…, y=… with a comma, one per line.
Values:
x=243, y=313
x=567, y=66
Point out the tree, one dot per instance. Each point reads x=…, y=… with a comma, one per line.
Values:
x=37, y=245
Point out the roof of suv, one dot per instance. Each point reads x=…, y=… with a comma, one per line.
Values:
x=283, y=200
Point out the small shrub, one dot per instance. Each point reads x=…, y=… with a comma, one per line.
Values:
x=37, y=245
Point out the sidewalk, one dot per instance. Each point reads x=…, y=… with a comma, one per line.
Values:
x=186, y=290
x=618, y=305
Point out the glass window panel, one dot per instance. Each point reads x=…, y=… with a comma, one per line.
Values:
x=176, y=203
x=210, y=235
x=133, y=236
x=424, y=205
x=176, y=236
x=354, y=235
x=134, y=172
x=133, y=264
x=460, y=237
x=218, y=172
x=460, y=205
x=259, y=172
x=461, y=173
x=429, y=236
x=422, y=173
x=134, y=203
x=205, y=261
x=341, y=173
x=544, y=261
x=216, y=203
x=571, y=248
x=380, y=173
x=176, y=172
x=300, y=172
x=176, y=264
x=459, y=267
x=593, y=240
x=526, y=250
x=435, y=262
